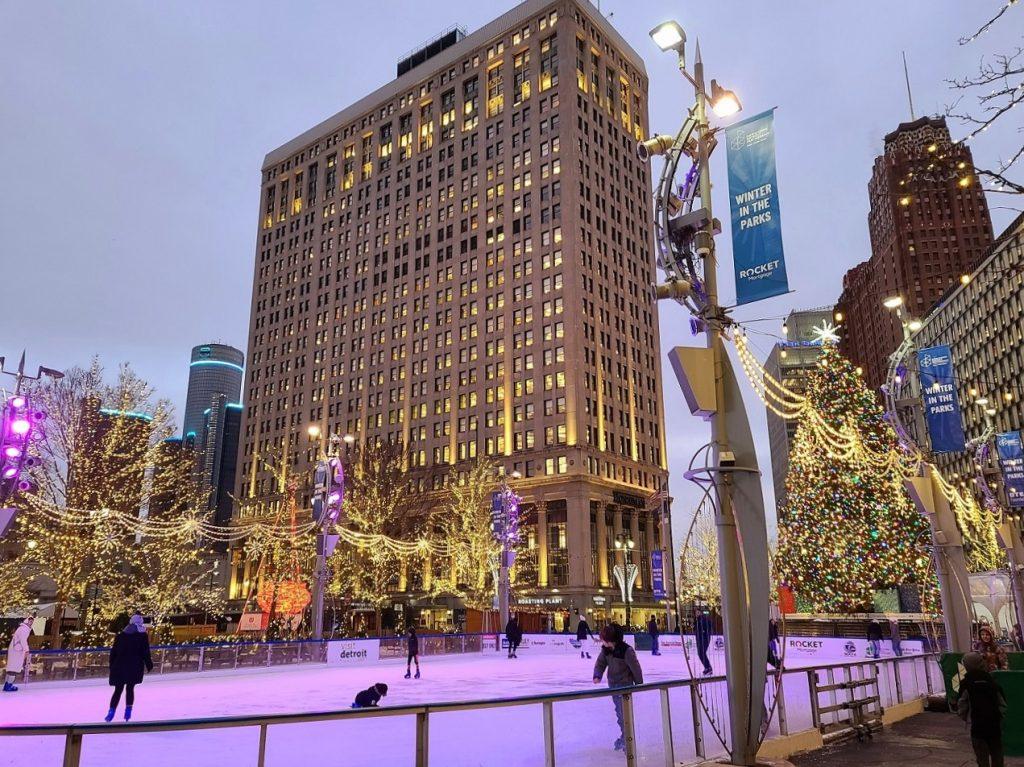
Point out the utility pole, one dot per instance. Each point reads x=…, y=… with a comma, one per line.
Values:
x=328, y=496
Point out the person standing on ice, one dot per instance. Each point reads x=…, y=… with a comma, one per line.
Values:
x=514, y=635
x=623, y=671
x=129, y=660
x=17, y=653
x=582, y=632
x=414, y=653
x=702, y=635
x=874, y=639
x=655, y=632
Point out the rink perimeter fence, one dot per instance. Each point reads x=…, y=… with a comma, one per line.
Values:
x=664, y=722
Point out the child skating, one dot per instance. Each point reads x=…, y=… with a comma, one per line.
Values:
x=414, y=653
x=623, y=671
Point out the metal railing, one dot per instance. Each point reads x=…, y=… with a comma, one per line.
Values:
x=895, y=683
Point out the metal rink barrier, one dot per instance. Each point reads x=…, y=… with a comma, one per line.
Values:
x=663, y=721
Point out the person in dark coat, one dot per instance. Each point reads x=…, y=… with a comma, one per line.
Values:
x=894, y=638
x=773, y=643
x=655, y=632
x=623, y=670
x=514, y=635
x=582, y=632
x=414, y=653
x=982, y=703
x=993, y=655
x=702, y=631
x=874, y=639
x=370, y=697
x=129, y=660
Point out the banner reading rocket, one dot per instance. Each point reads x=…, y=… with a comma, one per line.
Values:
x=758, y=260
x=1011, y=461
x=941, y=405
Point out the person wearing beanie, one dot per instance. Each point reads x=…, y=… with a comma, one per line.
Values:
x=18, y=653
x=623, y=670
x=129, y=660
x=993, y=655
x=414, y=653
x=982, y=703
x=370, y=697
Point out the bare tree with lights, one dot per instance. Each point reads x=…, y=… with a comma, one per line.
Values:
x=466, y=526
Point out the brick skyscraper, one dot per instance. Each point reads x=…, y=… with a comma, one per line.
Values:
x=929, y=225
x=460, y=262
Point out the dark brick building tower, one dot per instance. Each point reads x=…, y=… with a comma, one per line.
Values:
x=929, y=225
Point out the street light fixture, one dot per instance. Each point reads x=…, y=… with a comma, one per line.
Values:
x=724, y=102
x=669, y=36
x=893, y=302
x=313, y=431
x=914, y=325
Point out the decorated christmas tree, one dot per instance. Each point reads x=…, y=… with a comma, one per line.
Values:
x=848, y=527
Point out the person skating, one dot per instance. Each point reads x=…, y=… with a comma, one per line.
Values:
x=129, y=659
x=414, y=653
x=773, y=644
x=702, y=635
x=655, y=632
x=983, y=704
x=895, y=638
x=993, y=655
x=874, y=639
x=514, y=635
x=623, y=670
x=582, y=632
x=17, y=653
x=370, y=697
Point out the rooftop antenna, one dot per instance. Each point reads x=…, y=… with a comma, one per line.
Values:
x=906, y=76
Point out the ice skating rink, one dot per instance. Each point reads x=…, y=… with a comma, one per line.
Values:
x=506, y=736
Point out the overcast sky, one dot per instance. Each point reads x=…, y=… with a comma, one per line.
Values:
x=132, y=134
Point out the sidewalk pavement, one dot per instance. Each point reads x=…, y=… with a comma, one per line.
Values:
x=934, y=739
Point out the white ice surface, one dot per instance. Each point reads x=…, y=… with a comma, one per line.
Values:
x=507, y=736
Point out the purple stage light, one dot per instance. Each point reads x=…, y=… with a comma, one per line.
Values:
x=12, y=452
x=20, y=426
x=10, y=472
x=334, y=497
x=18, y=402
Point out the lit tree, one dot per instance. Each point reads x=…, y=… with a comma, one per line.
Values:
x=13, y=585
x=699, y=576
x=848, y=527
x=466, y=526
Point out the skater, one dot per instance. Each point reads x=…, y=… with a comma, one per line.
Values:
x=514, y=635
x=128, y=657
x=773, y=644
x=370, y=697
x=702, y=631
x=894, y=637
x=414, y=653
x=874, y=639
x=623, y=671
x=993, y=655
x=582, y=632
x=983, y=704
x=652, y=629
x=18, y=653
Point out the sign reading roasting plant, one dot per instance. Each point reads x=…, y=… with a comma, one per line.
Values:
x=1011, y=461
x=941, y=406
x=758, y=260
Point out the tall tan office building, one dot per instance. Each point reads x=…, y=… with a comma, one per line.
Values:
x=460, y=261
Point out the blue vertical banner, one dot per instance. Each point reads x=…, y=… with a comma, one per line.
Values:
x=1011, y=461
x=657, y=574
x=758, y=260
x=941, y=405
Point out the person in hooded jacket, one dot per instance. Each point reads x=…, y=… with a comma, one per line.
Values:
x=982, y=703
x=414, y=653
x=702, y=635
x=874, y=639
x=994, y=655
x=620, y=660
x=655, y=632
x=514, y=635
x=582, y=632
x=17, y=653
x=129, y=660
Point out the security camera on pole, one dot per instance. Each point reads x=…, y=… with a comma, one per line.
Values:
x=328, y=497
x=20, y=422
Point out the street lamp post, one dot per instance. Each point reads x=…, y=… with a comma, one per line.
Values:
x=330, y=495
x=507, y=554
x=626, y=573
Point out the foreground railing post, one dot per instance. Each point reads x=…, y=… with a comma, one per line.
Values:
x=202, y=657
x=549, y=734
x=72, y=749
x=698, y=723
x=422, y=739
x=666, y=728
x=629, y=730
x=812, y=687
x=927, y=676
x=781, y=705
x=897, y=680
x=261, y=758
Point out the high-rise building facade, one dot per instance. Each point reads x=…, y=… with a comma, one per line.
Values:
x=215, y=369
x=929, y=224
x=789, y=362
x=222, y=426
x=459, y=262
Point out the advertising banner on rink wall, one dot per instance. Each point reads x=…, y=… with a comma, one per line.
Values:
x=840, y=648
x=1011, y=461
x=758, y=260
x=353, y=652
x=941, y=406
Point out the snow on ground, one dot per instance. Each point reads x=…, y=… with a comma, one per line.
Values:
x=509, y=736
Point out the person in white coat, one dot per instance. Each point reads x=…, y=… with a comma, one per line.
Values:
x=17, y=653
